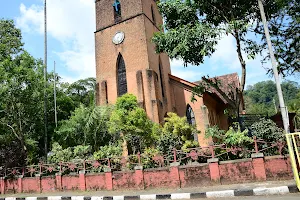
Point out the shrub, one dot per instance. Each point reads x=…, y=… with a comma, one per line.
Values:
x=267, y=130
x=147, y=157
x=108, y=151
x=58, y=154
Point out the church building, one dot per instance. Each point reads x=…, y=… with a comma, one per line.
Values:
x=126, y=62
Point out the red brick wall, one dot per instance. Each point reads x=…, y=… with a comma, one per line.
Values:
x=224, y=172
x=70, y=182
x=124, y=180
x=11, y=185
x=194, y=176
x=30, y=185
x=236, y=172
x=48, y=184
x=95, y=182
x=278, y=168
x=157, y=178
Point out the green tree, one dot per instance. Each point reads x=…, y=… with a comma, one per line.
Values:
x=10, y=40
x=21, y=80
x=181, y=129
x=262, y=98
x=129, y=122
x=82, y=91
x=87, y=126
x=284, y=26
x=193, y=29
x=294, y=106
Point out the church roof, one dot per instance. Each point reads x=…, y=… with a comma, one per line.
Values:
x=228, y=81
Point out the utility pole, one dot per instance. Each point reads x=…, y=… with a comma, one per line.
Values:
x=45, y=79
x=55, y=111
x=283, y=109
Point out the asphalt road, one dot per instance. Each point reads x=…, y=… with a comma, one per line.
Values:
x=282, y=197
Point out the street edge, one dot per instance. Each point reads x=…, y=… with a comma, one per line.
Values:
x=281, y=190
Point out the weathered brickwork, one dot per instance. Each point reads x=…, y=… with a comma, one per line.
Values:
x=148, y=74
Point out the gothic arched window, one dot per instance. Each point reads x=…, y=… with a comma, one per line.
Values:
x=153, y=15
x=161, y=79
x=121, y=76
x=117, y=10
x=191, y=119
x=190, y=115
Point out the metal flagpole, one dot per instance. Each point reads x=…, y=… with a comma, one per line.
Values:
x=45, y=79
x=55, y=111
x=283, y=109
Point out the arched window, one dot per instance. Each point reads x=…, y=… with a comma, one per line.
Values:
x=191, y=119
x=161, y=79
x=121, y=76
x=190, y=115
x=117, y=10
x=153, y=15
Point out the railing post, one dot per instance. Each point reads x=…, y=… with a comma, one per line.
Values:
x=139, y=159
x=175, y=155
x=255, y=144
x=212, y=151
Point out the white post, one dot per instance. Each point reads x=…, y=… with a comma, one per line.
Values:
x=283, y=109
x=55, y=111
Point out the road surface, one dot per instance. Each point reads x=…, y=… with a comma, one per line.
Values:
x=282, y=197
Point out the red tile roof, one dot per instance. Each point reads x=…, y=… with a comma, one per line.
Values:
x=229, y=83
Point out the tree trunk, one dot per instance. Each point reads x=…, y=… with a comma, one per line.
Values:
x=243, y=78
x=124, y=146
x=242, y=61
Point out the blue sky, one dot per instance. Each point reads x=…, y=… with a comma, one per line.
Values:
x=71, y=26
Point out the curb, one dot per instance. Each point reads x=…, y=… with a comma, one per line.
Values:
x=213, y=194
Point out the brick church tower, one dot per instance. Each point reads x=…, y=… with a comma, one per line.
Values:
x=126, y=61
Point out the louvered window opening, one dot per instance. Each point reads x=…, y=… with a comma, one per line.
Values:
x=122, y=81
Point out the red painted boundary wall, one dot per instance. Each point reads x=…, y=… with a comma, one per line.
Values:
x=257, y=168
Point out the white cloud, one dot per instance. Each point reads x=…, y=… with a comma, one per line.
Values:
x=72, y=23
x=225, y=53
x=190, y=75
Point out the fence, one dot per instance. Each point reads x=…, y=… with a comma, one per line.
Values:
x=182, y=157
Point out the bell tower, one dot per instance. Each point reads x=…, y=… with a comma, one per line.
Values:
x=126, y=61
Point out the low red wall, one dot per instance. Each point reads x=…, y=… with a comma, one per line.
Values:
x=157, y=178
x=30, y=185
x=238, y=171
x=70, y=182
x=194, y=175
x=278, y=168
x=95, y=181
x=124, y=180
x=48, y=184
